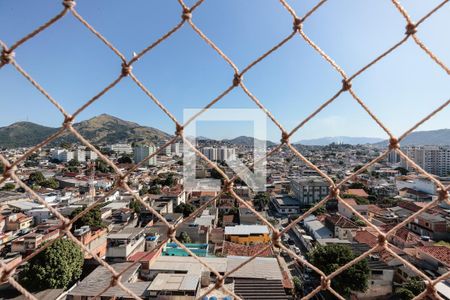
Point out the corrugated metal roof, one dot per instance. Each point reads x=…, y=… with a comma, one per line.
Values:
x=174, y=282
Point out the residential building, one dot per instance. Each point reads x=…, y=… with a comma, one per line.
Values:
x=309, y=190
x=342, y=227
x=210, y=153
x=121, y=148
x=285, y=204
x=247, y=234
x=141, y=152
x=123, y=244
x=433, y=226
x=433, y=159
x=18, y=221
x=95, y=241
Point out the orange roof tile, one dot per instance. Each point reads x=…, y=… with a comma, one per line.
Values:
x=358, y=192
x=441, y=253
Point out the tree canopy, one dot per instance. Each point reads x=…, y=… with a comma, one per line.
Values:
x=125, y=159
x=330, y=257
x=184, y=208
x=8, y=186
x=56, y=267
x=93, y=218
x=261, y=200
x=185, y=238
x=410, y=288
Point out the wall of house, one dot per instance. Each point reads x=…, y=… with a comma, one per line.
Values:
x=247, y=240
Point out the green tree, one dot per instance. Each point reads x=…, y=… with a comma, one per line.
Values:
x=330, y=257
x=8, y=187
x=169, y=181
x=36, y=178
x=65, y=145
x=56, y=267
x=261, y=200
x=102, y=166
x=136, y=206
x=415, y=285
x=155, y=190
x=402, y=170
x=73, y=163
x=185, y=238
x=403, y=294
x=93, y=218
x=357, y=185
x=298, y=285
x=125, y=159
x=143, y=191
x=320, y=210
x=50, y=183
x=184, y=208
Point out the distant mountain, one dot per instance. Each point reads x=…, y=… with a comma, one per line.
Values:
x=102, y=129
x=246, y=141
x=24, y=134
x=430, y=137
x=339, y=140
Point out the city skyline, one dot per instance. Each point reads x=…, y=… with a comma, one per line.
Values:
x=291, y=83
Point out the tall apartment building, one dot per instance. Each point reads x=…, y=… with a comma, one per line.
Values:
x=222, y=153
x=62, y=155
x=121, y=148
x=175, y=149
x=433, y=159
x=210, y=153
x=309, y=190
x=80, y=155
x=140, y=152
x=65, y=155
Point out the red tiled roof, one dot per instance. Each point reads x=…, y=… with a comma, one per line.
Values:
x=407, y=235
x=350, y=201
x=143, y=256
x=341, y=221
x=441, y=253
x=228, y=218
x=358, y=192
x=375, y=209
x=365, y=237
x=230, y=248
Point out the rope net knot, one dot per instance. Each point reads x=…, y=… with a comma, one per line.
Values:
x=69, y=4
x=187, y=14
x=7, y=56
x=411, y=29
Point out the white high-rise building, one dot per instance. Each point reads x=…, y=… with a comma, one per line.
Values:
x=175, y=149
x=140, y=152
x=433, y=159
x=210, y=153
x=221, y=154
x=121, y=148
x=62, y=155
x=91, y=155
x=225, y=153
x=80, y=155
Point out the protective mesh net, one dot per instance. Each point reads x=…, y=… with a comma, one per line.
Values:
x=8, y=59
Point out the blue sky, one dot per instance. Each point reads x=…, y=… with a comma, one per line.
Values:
x=184, y=72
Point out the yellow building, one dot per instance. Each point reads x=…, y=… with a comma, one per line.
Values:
x=247, y=234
